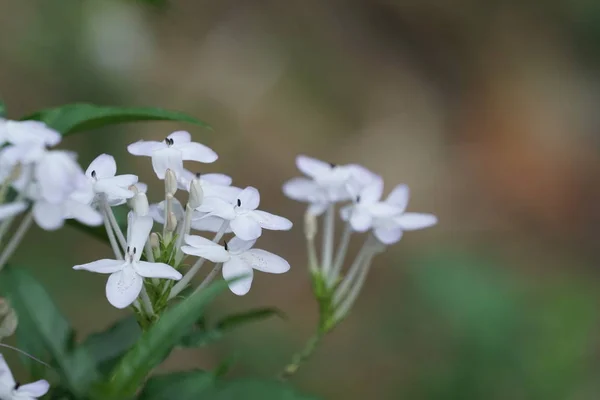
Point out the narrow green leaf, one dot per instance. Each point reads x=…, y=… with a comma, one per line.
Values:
x=202, y=336
x=156, y=343
x=78, y=117
x=2, y=109
x=107, y=347
x=43, y=328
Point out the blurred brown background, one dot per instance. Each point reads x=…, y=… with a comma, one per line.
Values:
x=487, y=109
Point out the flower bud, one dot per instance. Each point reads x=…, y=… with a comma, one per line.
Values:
x=171, y=222
x=310, y=225
x=139, y=203
x=154, y=241
x=8, y=319
x=196, y=194
x=170, y=182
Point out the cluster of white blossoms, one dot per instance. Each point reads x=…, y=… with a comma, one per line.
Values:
x=12, y=390
x=361, y=191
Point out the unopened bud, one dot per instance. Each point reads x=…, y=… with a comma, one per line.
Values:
x=139, y=204
x=170, y=182
x=310, y=225
x=154, y=241
x=196, y=194
x=8, y=319
x=171, y=222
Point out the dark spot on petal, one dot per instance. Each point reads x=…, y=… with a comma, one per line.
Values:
x=198, y=174
x=225, y=244
x=358, y=199
x=17, y=385
x=239, y=203
x=128, y=249
x=332, y=165
x=93, y=173
x=134, y=249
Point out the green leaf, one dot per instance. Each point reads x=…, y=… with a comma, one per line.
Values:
x=107, y=347
x=202, y=336
x=156, y=343
x=78, y=117
x=2, y=109
x=42, y=328
x=192, y=385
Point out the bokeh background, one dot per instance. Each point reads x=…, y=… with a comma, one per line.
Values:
x=487, y=109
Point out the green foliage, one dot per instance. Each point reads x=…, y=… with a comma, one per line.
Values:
x=192, y=385
x=2, y=109
x=44, y=331
x=156, y=343
x=79, y=117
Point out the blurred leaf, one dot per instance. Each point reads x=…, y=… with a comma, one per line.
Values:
x=158, y=3
x=202, y=336
x=2, y=109
x=107, y=347
x=43, y=330
x=156, y=343
x=192, y=385
x=78, y=117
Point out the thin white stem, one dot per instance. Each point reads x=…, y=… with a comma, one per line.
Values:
x=340, y=255
x=167, y=213
x=16, y=239
x=25, y=354
x=328, y=233
x=111, y=236
x=184, y=230
x=114, y=224
x=210, y=277
x=146, y=301
x=313, y=262
x=354, y=270
x=183, y=282
x=348, y=302
x=20, y=197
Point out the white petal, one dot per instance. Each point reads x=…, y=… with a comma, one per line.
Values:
x=167, y=158
x=249, y=198
x=104, y=266
x=123, y=287
x=48, y=216
x=12, y=209
x=318, y=208
x=209, y=250
x=197, y=152
x=34, y=389
x=23, y=132
x=312, y=167
x=58, y=175
x=388, y=235
x=145, y=148
x=346, y=211
x=217, y=206
x=141, y=187
x=414, y=221
x=383, y=210
x=180, y=137
x=217, y=179
x=360, y=220
x=237, y=246
x=157, y=270
x=6, y=377
x=227, y=193
x=300, y=189
x=103, y=166
x=265, y=261
x=235, y=268
x=140, y=229
x=209, y=224
x=271, y=221
x=157, y=211
x=372, y=192
x=124, y=180
x=399, y=197
x=246, y=227
x=83, y=213
x=110, y=189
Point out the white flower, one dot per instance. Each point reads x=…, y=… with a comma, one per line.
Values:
x=52, y=216
x=12, y=209
x=238, y=258
x=139, y=202
x=58, y=175
x=102, y=175
x=389, y=230
x=171, y=152
x=245, y=220
x=28, y=133
x=200, y=221
x=367, y=207
x=126, y=280
x=213, y=185
x=11, y=390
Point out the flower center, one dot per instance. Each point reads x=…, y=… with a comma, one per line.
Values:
x=225, y=245
x=169, y=141
x=94, y=174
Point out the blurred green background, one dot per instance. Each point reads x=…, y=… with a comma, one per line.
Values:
x=487, y=109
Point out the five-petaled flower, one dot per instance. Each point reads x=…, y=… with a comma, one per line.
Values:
x=171, y=152
x=239, y=260
x=102, y=175
x=126, y=280
x=12, y=390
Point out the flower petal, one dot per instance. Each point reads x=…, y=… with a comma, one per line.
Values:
x=145, y=147
x=83, y=213
x=249, y=198
x=167, y=158
x=265, y=261
x=301, y=189
x=311, y=166
x=217, y=206
x=237, y=246
x=48, y=216
x=139, y=231
x=414, y=221
x=235, y=268
x=112, y=190
x=212, y=253
x=227, y=193
x=104, y=266
x=217, y=179
x=317, y=208
x=246, y=227
x=180, y=137
x=103, y=166
x=372, y=192
x=123, y=287
x=360, y=220
x=6, y=377
x=388, y=235
x=383, y=210
x=271, y=221
x=346, y=211
x=197, y=152
x=34, y=389
x=12, y=209
x=399, y=197
x=208, y=224
x=157, y=270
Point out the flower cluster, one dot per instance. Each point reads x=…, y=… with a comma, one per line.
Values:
x=326, y=185
x=12, y=390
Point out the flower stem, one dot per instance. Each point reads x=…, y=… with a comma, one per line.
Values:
x=146, y=301
x=210, y=277
x=111, y=236
x=115, y=225
x=16, y=239
x=353, y=293
x=340, y=255
x=328, y=233
x=184, y=230
x=299, y=358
